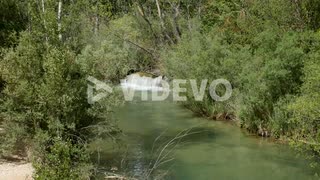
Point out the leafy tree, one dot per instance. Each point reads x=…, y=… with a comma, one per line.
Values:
x=13, y=19
x=44, y=103
x=123, y=47
x=305, y=111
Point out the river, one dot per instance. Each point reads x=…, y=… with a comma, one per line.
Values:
x=211, y=150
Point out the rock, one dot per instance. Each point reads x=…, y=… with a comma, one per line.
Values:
x=114, y=168
x=263, y=131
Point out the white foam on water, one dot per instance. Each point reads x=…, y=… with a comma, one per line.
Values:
x=143, y=83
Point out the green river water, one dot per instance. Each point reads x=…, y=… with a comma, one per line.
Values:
x=213, y=150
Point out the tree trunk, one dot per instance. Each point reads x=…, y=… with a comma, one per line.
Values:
x=59, y=19
x=142, y=13
x=189, y=23
x=176, y=27
x=199, y=9
x=96, y=20
x=162, y=23
x=159, y=13
x=44, y=19
x=96, y=24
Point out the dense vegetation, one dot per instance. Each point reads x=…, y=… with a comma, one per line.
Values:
x=268, y=50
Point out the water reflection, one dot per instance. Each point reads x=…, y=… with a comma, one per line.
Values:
x=213, y=150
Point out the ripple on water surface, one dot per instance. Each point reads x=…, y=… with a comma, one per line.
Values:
x=214, y=150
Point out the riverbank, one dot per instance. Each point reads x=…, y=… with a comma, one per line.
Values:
x=236, y=122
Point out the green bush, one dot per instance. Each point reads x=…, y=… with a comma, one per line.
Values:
x=203, y=56
x=305, y=110
x=262, y=74
x=120, y=47
x=61, y=160
x=45, y=109
x=279, y=60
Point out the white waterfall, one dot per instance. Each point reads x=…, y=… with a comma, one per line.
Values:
x=142, y=83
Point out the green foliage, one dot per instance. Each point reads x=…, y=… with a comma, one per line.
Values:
x=220, y=13
x=13, y=19
x=44, y=104
x=280, y=62
x=280, y=124
x=102, y=8
x=61, y=160
x=200, y=57
x=242, y=20
x=263, y=48
x=278, y=55
x=305, y=109
x=45, y=97
x=21, y=67
x=310, y=10
x=120, y=48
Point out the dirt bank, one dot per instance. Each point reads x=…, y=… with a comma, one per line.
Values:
x=15, y=171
